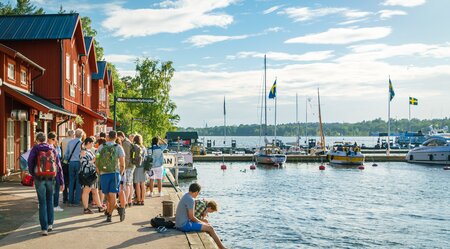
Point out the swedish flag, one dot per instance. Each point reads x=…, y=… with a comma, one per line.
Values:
x=413, y=101
x=391, y=90
x=273, y=90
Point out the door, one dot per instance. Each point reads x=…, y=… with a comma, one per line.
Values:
x=10, y=158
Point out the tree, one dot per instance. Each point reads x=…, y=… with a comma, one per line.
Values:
x=23, y=7
x=86, y=22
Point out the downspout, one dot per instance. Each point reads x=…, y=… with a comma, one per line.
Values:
x=82, y=84
x=62, y=73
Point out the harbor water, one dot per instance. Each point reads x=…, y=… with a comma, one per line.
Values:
x=394, y=205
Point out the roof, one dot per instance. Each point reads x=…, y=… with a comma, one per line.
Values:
x=101, y=71
x=90, y=112
x=38, y=27
x=35, y=101
x=184, y=135
x=88, y=43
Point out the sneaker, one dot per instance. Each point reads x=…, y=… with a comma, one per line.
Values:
x=44, y=232
x=50, y=228
x=121, y=213
x=108, y=218
x=150, y=194
x=161, y=194
x=58, y=209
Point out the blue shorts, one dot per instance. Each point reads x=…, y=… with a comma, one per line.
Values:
x=191, y=226
x=110, y=183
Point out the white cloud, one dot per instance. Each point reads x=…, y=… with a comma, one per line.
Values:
x=404, y=3
x=121, y=58
x=203, y=40
x=343, y=35
x=277, y=56
x=173, y=17
x=306, y=14
x=166, y=49
x=387, y=14
x=272, y=9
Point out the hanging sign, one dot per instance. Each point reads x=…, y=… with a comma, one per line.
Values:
x=46, y=116
x=135, y=100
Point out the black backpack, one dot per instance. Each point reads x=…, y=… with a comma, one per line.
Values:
x=159, y=221
x=87, y=175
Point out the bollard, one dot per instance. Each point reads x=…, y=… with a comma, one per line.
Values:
x=167, y=208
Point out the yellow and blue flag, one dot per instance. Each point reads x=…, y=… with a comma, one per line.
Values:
x=391, y=90
x=273, y=90
x=413, y=101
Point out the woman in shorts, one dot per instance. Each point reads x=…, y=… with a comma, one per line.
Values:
x=157, y=170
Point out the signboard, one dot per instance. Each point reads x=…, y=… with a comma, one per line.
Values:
x=135, y=100
x=46, y=116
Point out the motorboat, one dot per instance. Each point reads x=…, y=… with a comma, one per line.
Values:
x=435, y=150
x=345, y=154
x=182, y=160
x=270, y=155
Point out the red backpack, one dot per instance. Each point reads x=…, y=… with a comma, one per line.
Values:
x=46, y=164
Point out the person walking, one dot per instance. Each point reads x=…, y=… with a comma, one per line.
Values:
x=44, y=165
x=185, y=220
x=52, y=140
x=87, y=160
x=73, y=157
x=157, y=171
x=127, y=185
x=65, y=166
x=111, y=164
x=139, y=173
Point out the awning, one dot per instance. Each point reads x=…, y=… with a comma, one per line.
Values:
x=90, y=112
x=34, y=101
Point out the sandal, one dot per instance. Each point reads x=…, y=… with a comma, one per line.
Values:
x=101, y=209
x=141, y=203
x=161, y=229
x=87, y=211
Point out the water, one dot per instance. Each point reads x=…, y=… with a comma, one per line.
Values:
x=254, y=141
x=394, y=205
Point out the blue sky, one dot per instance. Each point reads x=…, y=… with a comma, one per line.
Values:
x=347, y=48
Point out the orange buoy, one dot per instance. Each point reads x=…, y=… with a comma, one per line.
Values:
x=223, y=167
x=321, y=167
x=361, y=167
x=252, y=166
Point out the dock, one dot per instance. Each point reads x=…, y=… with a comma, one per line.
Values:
x=19, y=225
x=294, y=158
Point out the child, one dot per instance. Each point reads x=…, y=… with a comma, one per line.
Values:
x=203, y=207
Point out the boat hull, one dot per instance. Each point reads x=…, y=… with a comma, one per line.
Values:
x=270, y=159
x=432, y=156
x=350, y=160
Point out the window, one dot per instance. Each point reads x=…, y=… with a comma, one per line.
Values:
x=11, y=72
x=23, y=77
x=72, y=90
x=75, y=74
x=67, y=67
x=88, y=84
x=103, y=94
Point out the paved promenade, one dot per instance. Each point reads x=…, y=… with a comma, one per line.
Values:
x=19, y=225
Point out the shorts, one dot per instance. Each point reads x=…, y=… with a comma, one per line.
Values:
x=110, y=182
x=128, y=179
x=191, y=226
x=94, y=185
x=156, y=173
x=23, y=164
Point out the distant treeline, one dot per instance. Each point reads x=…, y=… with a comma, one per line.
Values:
x=364, y=128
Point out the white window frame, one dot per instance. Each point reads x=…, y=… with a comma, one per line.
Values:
x=23, y=77
x=68, y=67
x=75, y=73
x=88, y=84
x=103, y=94
x=11, y=71
x=72, y=90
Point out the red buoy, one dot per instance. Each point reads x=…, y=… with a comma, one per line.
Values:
x=361, y=167
x=321, y=167
x=223, y=167
x=252, y=166
x=446, y=168
x=374, y=165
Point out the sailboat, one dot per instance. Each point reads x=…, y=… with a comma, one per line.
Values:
x=320, y=148
x=270, y=154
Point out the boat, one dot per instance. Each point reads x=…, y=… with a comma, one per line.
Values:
x=183, y=160
x=320, y=147
x=270, y=154
x=345, y=154
x=435, y=150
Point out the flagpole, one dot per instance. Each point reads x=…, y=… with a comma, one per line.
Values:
x=388, y=152
x=224, y=122
x=275, y=132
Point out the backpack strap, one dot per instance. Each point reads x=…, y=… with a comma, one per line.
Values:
x=70, y=157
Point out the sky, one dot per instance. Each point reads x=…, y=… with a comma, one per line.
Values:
x=348, y=49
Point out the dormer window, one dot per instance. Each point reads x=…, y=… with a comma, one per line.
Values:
x=23, y=77
x=11, y=71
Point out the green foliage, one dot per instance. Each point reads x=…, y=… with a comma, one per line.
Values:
x=364, y=128
x=23, y=7
x=86, y=22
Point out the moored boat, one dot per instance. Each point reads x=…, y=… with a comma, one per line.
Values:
x=345, y=154
x=270, y=155
x=436, y=150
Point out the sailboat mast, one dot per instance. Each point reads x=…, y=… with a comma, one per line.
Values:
x=265, y=99
x=306, y=120
x=296, y=119
x=224, y=122
x=322, y=137
x=275, y=128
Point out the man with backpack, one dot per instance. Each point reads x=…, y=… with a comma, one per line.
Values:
x=45, y=166
x=127, y=181
x=111, y=165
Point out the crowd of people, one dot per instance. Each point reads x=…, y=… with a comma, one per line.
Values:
x=102, y=169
